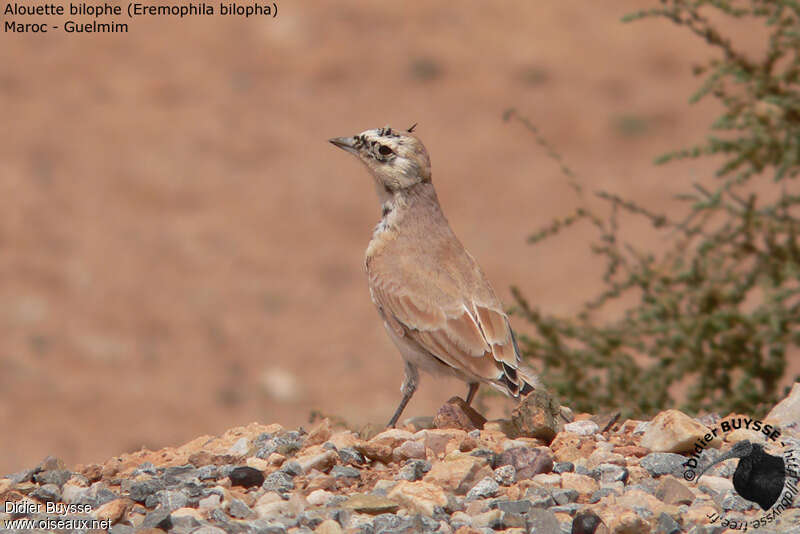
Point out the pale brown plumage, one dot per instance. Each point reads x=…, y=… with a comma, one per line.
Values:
x=436, y=303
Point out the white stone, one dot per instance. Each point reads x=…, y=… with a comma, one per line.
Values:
x=239, y=448
x=585, y=427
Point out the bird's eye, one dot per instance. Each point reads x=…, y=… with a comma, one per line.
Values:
x=385, y=150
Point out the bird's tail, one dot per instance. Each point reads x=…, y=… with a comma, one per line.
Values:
x=528, y=380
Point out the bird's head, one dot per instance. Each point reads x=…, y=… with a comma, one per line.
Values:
x=742, y=449
x=397, y=159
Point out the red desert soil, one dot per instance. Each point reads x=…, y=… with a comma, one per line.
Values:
x=182, y=249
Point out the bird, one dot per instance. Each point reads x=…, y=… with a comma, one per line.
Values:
x=759, y=477
x=436, y=303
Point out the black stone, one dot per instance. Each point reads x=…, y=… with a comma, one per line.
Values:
x=246, y=477
x=585, y=523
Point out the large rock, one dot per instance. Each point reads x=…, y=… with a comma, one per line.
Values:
x=456, y=413
x=537, y=416
x=459, y=474
x=527, y=461
x=786, y=413
x=420, y=496
x=674, y=431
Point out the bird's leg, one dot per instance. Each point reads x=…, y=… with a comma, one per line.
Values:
x=473, y=389
x=407, y=389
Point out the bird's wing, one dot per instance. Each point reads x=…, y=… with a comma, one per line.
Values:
x=463, y=330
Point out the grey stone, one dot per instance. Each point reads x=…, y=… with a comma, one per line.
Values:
x=184, y=523
x=291, y=468
x=543, y=501
x=55, y=476
x=491, y=457
x=288, y=444
x=707, y=529
x=312, y=518
x=345, y=471
x=571, y=508
x=225, y=470
x=119, y=528
x=170, y=499
x=145, y=468
x=485, y=488
x=612, y=473
x=349, y=455
x=22, y=476
x=208, y=529
x=278, y=481
x=582, y=470
x=520, y=507
x=563, y=467
x=104, y=495
x=598, y=495
x=47, y=493
x=179, y=474
x=540, y=497
x=264, y=528
x=158, y=518
x=564, y=496
x=139, y=491
x=383, y=522
x=207, y=472
x=542, y=522
x=667, y=525
x=730, y=501
x=413, y=470
x=663, y=463
x=240, y=510
x=505, y=475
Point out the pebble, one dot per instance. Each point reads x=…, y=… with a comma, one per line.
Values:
x=485, y=488
x=586, y=427
x=505, y=475
x=278, y=481
x=348, y=455
x=663, y=463
x=344, y=471
x=443, y=481
x=246, y=477
x=414, y=470
x=140, y=491
x=674, y=431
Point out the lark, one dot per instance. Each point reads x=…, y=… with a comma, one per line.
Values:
x=436, y=304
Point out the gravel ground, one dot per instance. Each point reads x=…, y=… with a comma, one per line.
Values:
x=440, y=475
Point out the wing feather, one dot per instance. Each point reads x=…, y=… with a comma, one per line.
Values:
x=477, y=342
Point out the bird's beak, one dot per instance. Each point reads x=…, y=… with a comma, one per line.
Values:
x=740, y=450
x=345, y=143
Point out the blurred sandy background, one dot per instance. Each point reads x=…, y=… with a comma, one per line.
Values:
x=181, y=249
